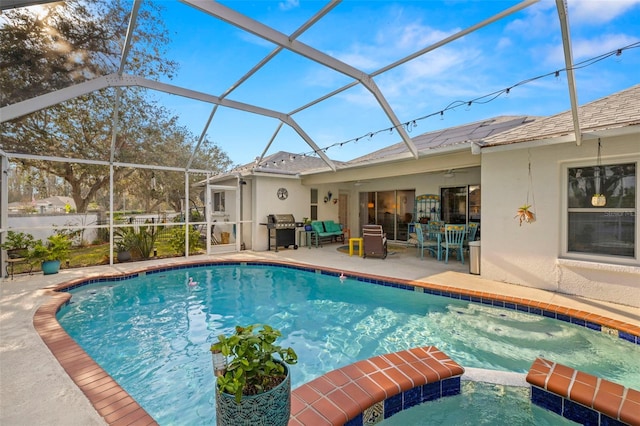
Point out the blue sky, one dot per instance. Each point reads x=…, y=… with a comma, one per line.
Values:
x=370, y=35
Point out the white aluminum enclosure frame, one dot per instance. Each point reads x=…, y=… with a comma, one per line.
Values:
x=121, y=81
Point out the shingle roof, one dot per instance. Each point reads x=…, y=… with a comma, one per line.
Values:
x=620, y=109
x=459, y=135
x=285, y=163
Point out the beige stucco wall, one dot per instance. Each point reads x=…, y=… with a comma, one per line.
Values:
x=532, y=254
x=297, y=203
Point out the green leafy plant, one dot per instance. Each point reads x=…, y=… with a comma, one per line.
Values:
x=178, y=242
x=146, y=239
x=18, y=243
x=252, y=368
x=139, y=241
x=125, y=239
x=57, y=247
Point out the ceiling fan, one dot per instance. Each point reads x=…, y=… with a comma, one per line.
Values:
x=451, y=173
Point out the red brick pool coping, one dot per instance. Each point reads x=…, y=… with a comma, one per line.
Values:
x=343, y=394
x=591, y=392
x=117, y=407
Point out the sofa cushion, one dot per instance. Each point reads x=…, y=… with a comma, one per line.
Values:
x=332, y=227
x=318, y=227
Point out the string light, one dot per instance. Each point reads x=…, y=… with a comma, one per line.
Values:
x=485, y=99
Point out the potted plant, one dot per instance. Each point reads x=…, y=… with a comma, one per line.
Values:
x=18, y=244
x=307, y=223
x=51, y=253
x=125, y=241
x=253, y=382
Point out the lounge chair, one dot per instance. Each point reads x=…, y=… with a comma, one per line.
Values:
x=375, y=241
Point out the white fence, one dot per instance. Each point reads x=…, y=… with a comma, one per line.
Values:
x=36, y=224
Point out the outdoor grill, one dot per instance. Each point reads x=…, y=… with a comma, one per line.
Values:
x=281, y=229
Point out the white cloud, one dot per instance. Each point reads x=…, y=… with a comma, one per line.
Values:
x=587, y=48
x=391, y=42
x=288, y=4
x=504, y=43
x=584, y=49
x=540, y=20
x=360, y=60
x=598, y=11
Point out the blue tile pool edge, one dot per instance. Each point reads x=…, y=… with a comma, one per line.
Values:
x=423, y=287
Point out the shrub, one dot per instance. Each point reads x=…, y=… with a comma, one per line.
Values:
x=178, y=243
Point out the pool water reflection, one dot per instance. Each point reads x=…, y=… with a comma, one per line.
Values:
x=152, y=333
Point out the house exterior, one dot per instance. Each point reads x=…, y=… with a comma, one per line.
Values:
x=483, y=172
x=48, y=205
x=572, y=247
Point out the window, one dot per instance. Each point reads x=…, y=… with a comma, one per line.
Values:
x=218, y=201
x=314, y=204
x=460, y=204
x=602, y=230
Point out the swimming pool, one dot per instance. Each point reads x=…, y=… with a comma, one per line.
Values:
x=152, y=333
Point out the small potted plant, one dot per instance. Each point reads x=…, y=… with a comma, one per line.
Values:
x=253, y=381
x=51, y=253
x=307, y=223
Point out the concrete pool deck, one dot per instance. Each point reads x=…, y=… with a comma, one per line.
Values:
x=35, y=389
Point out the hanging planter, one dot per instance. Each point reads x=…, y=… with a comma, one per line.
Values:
x=524, y=213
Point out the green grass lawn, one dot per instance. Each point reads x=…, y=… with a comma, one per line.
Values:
x=92, y=255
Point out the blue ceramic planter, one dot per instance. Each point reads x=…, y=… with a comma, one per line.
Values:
x=50, y=267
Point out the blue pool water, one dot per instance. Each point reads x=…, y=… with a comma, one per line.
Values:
x=153, y=333
x=499, y=405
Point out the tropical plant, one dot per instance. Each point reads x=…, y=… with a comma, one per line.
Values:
x=125, y=239
x=252, y=368
x=525, y=215
x=57, y=247
x=145, y=239
x=139, y=240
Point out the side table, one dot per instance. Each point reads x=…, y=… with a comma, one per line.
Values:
x=360, y=242
x=308, y=238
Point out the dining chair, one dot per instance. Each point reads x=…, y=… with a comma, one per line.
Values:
x=419, y=240
x=426, y=242
x=434, y=234
x=453, y=241
x=472, y=231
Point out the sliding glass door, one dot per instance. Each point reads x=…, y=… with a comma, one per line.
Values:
x=391, y=209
